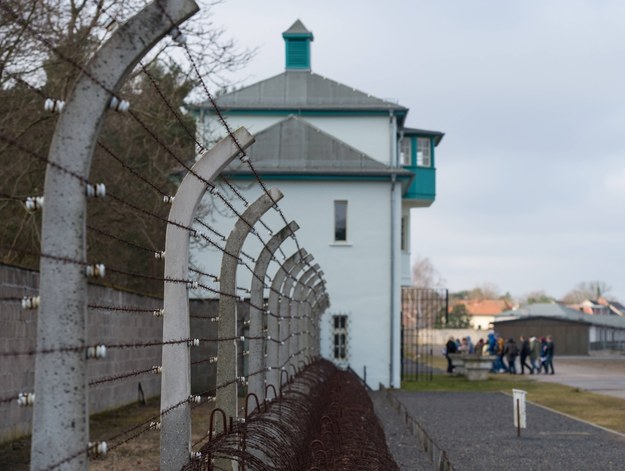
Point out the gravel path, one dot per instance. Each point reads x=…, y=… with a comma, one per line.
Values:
x=476, y=430
x=401, y=443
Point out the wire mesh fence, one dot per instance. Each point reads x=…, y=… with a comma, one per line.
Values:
x=422, y=311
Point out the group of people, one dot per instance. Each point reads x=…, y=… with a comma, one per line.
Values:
x=535, y=354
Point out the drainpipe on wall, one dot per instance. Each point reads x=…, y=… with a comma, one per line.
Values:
x=394, y=163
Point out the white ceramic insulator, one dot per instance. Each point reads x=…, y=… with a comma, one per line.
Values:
x=31, y=302
x=168, y=199
x=26, y=399
x=100, y=351
x=177, y=36
x=160, y=254
x=54, y=106
x=157, y=370
x=158, y=312
x=33, y=203
x=119, y=105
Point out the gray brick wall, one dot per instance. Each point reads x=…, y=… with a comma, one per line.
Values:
x=18, y=329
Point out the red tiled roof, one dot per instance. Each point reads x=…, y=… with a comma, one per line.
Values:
x=485, y=307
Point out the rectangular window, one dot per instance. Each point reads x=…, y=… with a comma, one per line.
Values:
x=405, y=151
x=340, y=221
x=424, y=152
x=339, y=336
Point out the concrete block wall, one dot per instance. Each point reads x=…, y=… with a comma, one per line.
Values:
x=18, y=332
x=18, y=329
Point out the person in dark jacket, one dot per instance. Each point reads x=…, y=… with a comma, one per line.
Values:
x=511, y=351
x=525, y=352
x=450, y=347
x=549, y=351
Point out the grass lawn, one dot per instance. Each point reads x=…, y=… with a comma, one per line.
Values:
x=598, y=409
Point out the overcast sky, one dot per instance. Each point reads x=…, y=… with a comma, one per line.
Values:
x=531, y=97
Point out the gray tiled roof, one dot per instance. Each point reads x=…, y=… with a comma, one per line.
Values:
x=297, y=28
x=559, y=311
x=436, y=134
x=303, y=90
x=294, y=146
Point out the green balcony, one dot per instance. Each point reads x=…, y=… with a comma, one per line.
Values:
x=416, y=153
x=422, y=190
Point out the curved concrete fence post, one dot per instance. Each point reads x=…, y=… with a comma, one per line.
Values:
x=299, y=314
x=305, y=317
x=286, y=321
x=60, y=435
x=317, y=307
x=273, y=314
x=258, y=319
x=176, y=376
x=227, y=375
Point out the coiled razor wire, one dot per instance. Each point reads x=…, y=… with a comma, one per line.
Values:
x=323, y=419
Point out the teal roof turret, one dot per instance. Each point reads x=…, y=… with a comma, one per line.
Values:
x=297, y=41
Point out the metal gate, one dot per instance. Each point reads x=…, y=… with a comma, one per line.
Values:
x=422, y=311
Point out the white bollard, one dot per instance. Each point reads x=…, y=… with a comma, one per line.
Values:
x=520, y=417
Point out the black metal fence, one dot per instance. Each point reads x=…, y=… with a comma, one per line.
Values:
x=422, y=310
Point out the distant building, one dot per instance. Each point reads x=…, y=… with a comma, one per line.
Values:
x=574, y=332
x=483, y=311
x=601, y=307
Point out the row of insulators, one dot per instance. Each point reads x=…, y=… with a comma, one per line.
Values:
x=95, y=191
x=25, y=399
x=30, y=302
x=97, y=270
x=97, y=352
x=197, y=398
x=56, y=106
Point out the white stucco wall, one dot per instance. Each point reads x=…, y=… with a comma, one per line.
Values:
x=358, y=272
x=369, y=134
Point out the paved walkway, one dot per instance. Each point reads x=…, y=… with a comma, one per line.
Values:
x=601, y=373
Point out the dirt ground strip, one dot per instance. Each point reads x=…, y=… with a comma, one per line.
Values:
x=139, y=454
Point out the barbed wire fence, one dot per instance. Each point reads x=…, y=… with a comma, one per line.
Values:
x=64, y=348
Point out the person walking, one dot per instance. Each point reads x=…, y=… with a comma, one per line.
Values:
x=549, y=351
x=450, y=347
x=543, y=353
x=501, y=347
x=534, y=354
x=525, y=352
x=511, y=352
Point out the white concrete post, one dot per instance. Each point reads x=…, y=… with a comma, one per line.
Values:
x=227, y=350
x=273, y=324
x=258, y=317
x=176, y=376
x=305, y=314
x=298, y=315
x=286, y=322
x=61, y=418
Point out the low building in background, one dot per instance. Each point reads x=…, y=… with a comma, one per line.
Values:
x=574, y=332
